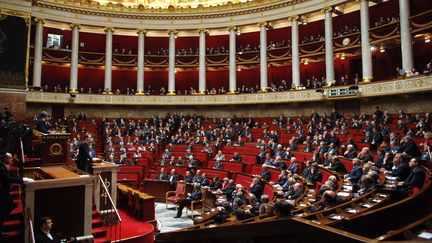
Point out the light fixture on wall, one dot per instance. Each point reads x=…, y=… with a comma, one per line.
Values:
x=427, y=39
x=373, y=48
x=342, y=57
x=305, y=61
x=382, y=49
x=238, y=69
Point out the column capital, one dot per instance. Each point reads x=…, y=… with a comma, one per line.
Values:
x=233, y=28
x=109, y=29
x=172, y=31
x=327, y=10
x=206, y=31
x=294, y=18
x=265, y=24
x=362, y=1
x=38, y=20
x=75, y=26
x=141, y=31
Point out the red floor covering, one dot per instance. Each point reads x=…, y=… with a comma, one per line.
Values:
x=132, y=228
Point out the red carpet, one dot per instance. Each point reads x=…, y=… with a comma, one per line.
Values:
x=132, y=228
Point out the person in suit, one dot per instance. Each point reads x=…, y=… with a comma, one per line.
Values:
x=84, y=160
x=236, y=158
x=197, y=178
x=161, y=176
x=295, y=193
x=43, y=233
x=283, y=177
x=409, y=147
x=195, y=195
x=205, y=181
x=41, y=121
x=172, y=179
x=218, y=164
x=356, y=173
x=228, y=190
x=400, y=168
x=294, y=167
x=216, y=184
x=188, y=177
x=6, y=179
x=265, y=174
x=416, y=177
x=315, y=175
x=256, y=188
x=336, y=165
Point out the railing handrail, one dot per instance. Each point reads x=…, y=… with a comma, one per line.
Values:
x=30, y=223
x=109, y=197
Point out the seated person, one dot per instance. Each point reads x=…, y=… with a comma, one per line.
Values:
x=179, y=161
x=216, y=183
x=195, y=195
x=267, y=207
x=256, y=188
x=172, y=178
x=218, y=164
x=296, y=193
x=337, y=165
x=228, y=189
x=236, y=158
x=279, y=164
x=204, y=181
x=293, y=167
x=161, y=176
x=329, y=200
x=219, y=156
x=265, y=173
x=197, y=178
x=356, y=173
x=415, y=179
x=366, y=185
x=283, y=209
x=315, y=175
x=350, y=153
x=283, y=178
x=188, y=177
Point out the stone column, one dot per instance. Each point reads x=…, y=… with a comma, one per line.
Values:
x=108, y=60
x=37, y=64
x=406, y=39
x=140, y=67
x=171, y=63
x=263, y=57
x=73, y=85
x=365, y=42
x=329, y=44
x=202, y=61
x=295, y=51
x=232, y=60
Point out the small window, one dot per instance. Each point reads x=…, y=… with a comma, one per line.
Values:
x=54, y=41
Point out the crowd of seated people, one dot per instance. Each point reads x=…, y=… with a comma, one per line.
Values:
x=382, y=21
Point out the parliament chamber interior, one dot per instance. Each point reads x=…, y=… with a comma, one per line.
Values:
x=215, y=121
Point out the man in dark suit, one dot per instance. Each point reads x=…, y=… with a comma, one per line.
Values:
x=84, y=159
x=401, y=168
x=256, y=188
x=315, y=175
x=188, y=177
x=336, y=165
x=195, y=195
x=43, y=233
x=293, y=167
x=161, y=176
x=204, y=181
x=41, y=122
x=409, y=147
x=228, y=190
x=6, y=179
x=172, y=179
x=416, y=177
x=356, y=173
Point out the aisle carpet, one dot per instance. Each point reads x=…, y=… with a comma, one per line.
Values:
x=167, y=220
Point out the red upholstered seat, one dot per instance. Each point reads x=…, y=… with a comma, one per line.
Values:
x=197, y=204
x=177, y=195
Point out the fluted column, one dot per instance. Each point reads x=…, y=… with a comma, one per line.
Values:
x=140, y=67
x=329, y=44
x=171, y=63
x=365, y=42
x=37, y=64
x=232, y=60
x=406, y=39
x=295, y=56
x=73, y=85
x=263, y=57
x=108, y=59
x=202, y=61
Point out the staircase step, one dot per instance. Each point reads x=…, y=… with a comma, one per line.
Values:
x=14, y=236
x=16, y=213
x=95, y=214
x=97, y=222
x=10, y=225
x=99, y=232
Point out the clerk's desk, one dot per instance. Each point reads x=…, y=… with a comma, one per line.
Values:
x=63, y=193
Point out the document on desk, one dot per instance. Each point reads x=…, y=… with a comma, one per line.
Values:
x=425, y=235
x=343, y=194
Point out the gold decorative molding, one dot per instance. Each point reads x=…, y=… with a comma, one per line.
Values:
x=37, y=20
x=106, y=29
x=75, y=25
x=327, y=10
x=372, y=89
x=142, y=31
x=292, y=18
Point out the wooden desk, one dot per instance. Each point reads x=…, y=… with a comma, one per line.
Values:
x=147, y=202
